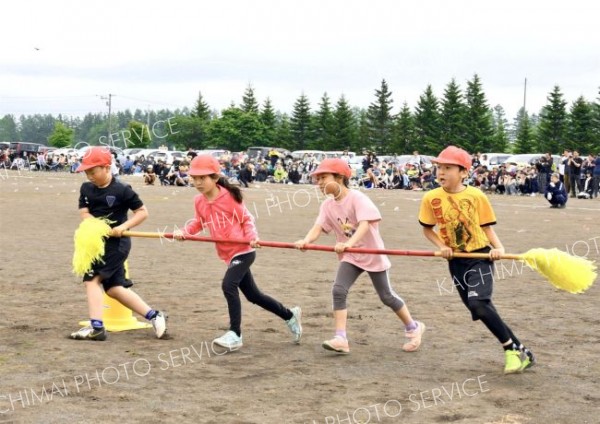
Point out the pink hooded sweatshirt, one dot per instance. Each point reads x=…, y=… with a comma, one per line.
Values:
x=225, y=219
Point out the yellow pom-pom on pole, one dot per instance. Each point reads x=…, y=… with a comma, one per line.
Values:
x=89, y=244
x=566, y=272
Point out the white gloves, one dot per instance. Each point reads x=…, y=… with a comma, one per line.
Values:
x=549, y=196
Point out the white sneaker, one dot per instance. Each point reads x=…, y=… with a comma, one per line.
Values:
x=159, y=322
x=229, y=340
x=295, y=325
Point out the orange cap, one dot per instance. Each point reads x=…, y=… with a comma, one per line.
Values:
x=204, y=165
x=453, y=155
x=333, y=166
x=95, y=156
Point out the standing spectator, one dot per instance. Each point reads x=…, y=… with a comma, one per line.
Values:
x=544, y=168
x=575, y=163
x=566, y=168
x=191, y=154
x=596, y=177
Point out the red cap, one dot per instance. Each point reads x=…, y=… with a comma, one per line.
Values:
x=95, y=156
x=333, y=166
x=204, y=165
x=453, y=155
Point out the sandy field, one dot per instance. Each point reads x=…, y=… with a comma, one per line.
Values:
x=135, y=378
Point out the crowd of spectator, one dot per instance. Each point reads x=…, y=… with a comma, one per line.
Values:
x=580, y=175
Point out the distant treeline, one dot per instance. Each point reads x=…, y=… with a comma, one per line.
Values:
x=460, y=117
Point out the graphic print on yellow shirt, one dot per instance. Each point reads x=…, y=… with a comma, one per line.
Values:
x=459, y=217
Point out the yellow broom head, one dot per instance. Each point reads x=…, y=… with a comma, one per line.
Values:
x=89, y=244
x=571, y=273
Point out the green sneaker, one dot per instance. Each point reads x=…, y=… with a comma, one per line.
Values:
x=527, y=359
x=512, y=361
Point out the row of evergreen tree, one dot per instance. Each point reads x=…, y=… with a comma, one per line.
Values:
x=461, y=118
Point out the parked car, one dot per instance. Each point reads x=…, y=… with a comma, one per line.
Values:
x=168, y=156
x=20, y=147
x=83, y=150
x=339, y=154
x=493, y=159
x=302, y=154
x=132, y=153
x=217, y=153
x=263, y=152
x=525, y=159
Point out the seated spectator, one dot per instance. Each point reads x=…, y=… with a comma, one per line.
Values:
x=163, y=172
x=181, y=177
x=149, y=175
x=294, y=175
x=413, y=175
x=427, y=180
x=397, y=180
x=262, y=173
x=128, y=166
x=587, y=191
x=279, y=174
x=245, y=175
x=555, y=192
x=369, y=179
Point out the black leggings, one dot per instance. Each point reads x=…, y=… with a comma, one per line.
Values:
x=486, y=312
x=239, y=276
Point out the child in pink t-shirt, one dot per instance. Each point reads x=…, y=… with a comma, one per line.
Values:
x=220, y=208
x=354, y=219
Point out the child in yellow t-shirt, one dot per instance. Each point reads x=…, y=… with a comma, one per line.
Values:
x=464, y=218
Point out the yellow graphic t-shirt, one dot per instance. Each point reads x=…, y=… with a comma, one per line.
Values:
x=458, y=217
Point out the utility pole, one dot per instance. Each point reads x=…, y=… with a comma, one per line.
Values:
x=109, y=104
x=525, y=96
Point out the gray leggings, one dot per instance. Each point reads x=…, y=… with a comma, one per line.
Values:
x=346, y=276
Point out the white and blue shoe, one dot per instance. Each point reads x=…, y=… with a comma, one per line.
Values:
x=229, y=340
x=295, y=324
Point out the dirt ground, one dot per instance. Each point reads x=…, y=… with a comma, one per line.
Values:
x=135, y=378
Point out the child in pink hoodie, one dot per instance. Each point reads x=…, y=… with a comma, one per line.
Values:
x=220, y=208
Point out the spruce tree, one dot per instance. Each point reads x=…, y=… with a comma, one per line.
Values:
x=525, y=141
x=324, y=133
x=478, y=118
x=580, y=131
x=284, y=134
x=596, y=124
x=269, y=122
x=500, y=137
x=552, y=128
x=344, y=124
x=404, y=132
x=201, y=109
x=453, y=116
x=249, y=103
x=379, y=119
x=427, y=124
x=300, y=123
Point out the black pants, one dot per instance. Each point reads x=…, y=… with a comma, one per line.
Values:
x=474, y=281
x=239, y=276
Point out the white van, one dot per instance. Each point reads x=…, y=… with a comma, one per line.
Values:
x=303, y=154
x=491, y=160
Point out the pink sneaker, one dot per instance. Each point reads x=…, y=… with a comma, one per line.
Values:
x=337, y=344
x=414, y=338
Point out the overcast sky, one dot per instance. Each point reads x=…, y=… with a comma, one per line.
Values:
x=60, y=56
